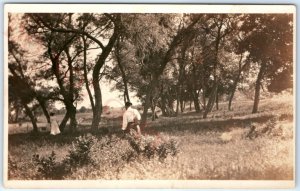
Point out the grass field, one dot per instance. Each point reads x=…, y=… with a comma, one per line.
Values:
x=227, y=145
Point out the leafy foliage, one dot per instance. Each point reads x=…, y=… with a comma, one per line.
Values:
x=152, y=146
x=79, y=154
x=48, y=166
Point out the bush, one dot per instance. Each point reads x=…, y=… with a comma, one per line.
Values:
x=48, y=167
x=151, y=146
x=167, y=148
x=79, y=154
x=108, y=154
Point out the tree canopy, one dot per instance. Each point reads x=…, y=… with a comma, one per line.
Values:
x=166, y=60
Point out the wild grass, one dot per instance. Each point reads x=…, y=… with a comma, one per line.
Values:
x=235, y=145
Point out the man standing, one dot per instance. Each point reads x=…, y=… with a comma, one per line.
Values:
x=131, y=118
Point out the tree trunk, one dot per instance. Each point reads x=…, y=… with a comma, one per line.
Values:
x=67, y=95
x=182, y=105
x=177, y=104
x=85, y=73
x=163, y=105
x=232, y=93
x=98, y=104
x=32, y=117
x=211, y=100
x=147, y=103
x=196, y=102
x=96, y=80
x=214, y=94
x=217, y=99
x=241, y=68
x=63, y=123
x=73, y=122
x=166, y=58
x=153, y=112
x=17, y=114
x=257, y=87
x=123, y=74
x=170, y=105
x=44, y=109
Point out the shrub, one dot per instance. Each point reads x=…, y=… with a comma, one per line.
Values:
x=79, y=154
x=108, y=154
x=151, y=146
x=48, y=167
x=168, y=148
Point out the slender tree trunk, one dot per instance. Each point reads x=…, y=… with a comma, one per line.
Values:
x=235, y=83
x=217, y=99
x=96, y=80
x=32, y=117
x=257, y=87
x=166, y=58
x=67, y=95
x=181, y=76
x=98, y=104
x=163, y=105
x=63, y=123
x=153, y=106
x=170, y=107
x=17, y=114
x=147, y=103
x=73, y=121
x=123, y=74
x=204, y=99
x=85, y=73
x=70, y=95
x=211, y=100
x=233, y=91
x=44, y=109
x=214, y=94
x=177, y=104
x=196, y=102
x=193, y=90
x=182, y=105
x=203, y=88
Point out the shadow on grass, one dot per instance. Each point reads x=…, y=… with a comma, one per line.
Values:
x=195, y=125
x=191, y=122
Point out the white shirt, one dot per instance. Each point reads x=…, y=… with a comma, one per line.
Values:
x=129, y=116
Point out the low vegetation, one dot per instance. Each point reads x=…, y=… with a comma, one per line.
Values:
x=254, y=146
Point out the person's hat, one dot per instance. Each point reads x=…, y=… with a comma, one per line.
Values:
x=127, y=104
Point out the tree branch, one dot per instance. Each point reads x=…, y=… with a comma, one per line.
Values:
x=76, y=31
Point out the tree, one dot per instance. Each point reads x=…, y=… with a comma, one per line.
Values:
x=269, y=40
x=108, y=26
x=218, y=27
x=24, y=84
x=63, y=50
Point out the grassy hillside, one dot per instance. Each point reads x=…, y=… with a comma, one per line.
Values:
x=227, y=145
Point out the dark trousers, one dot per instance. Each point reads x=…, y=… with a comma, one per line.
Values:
x=132, y=125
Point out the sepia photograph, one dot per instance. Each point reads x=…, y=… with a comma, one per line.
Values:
x=149, y=96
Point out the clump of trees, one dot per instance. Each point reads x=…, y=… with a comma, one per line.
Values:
x=168, y=60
